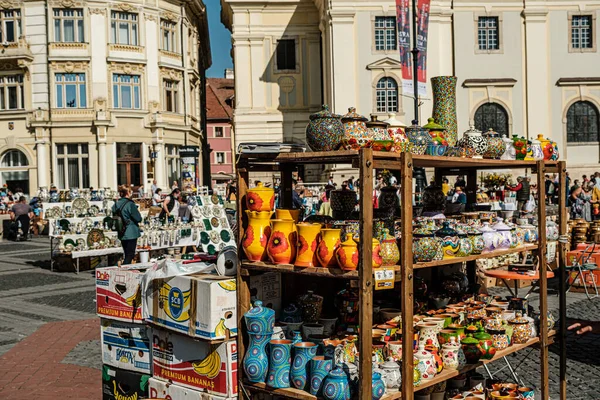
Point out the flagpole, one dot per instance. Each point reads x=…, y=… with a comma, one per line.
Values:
x=418, y=172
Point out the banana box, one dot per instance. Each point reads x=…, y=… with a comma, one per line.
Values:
x=125, y=345
x=118, y=384
x=195, y=364
x=198, y=305
x=118, y=293
x=158, y=389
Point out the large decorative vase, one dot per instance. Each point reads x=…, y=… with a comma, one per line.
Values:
x=260, y=198
x=356, y=134
x=390, y=253
x=325, y=131
x=495, y=145
x=259, y=324
x=444, y=105
x=257, y=235
x=336, y=386
x=319, y=369
x=303, y=353
x=378, y=386
x=419, y=139
x=308, y=240
x=475, y=140
x=347, y=254
x=282, y=242
x=330, y=241
x=449, y=238
x=279, y=364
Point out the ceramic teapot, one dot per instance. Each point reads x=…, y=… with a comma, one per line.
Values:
x=390, y=373
x=475, y=140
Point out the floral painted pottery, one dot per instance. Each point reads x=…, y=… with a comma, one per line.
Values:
x=552, y=231
x=347, y=254
x=279, y=364
x=486, y=345
x=390, y=254
x=394, y=350
x=504, y=230
x=378, y=130
x=439, y=364
x=495, y=145
x=336, y=386
x=444, y=105
x=419, y=139
x=476, y=238
x=521, y=329
x=536, y=150
x=256, y=235
x=303, y=353
x=376, y=254
x=490, y=237
x=428, y=334
x=499, y=338
x=438, y=136
x=356, y=134
x=396, y=132
x=319, y=369
x=446, y=335
x=330, y=241
x=425, y=246
x=470, y=347
x=425, y=363
x=325, y=131
x=293, y=215
x=390, y=373
x=520, y=144
x=449, y=238
x=450, y=355
x=311, y=306
x=308, y=238
x=378, y=386
x=509, y=149
x=260, y=198
x=465, y=245
x=281, y=248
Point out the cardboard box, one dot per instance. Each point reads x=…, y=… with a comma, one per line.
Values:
x=197, y=305
x=164, y=390
x=589, y=277
x=126, y=345
x=118, y=293
x=195, y=364
x=267, y=288
x=118, y=384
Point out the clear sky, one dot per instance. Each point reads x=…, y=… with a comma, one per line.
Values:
x=220, y=41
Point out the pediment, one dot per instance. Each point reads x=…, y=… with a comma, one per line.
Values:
x=385, y=63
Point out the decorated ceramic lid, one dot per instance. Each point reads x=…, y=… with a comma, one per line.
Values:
x=471, y=230
x=469, y=340
x=481, y=335
x=390, y=364
x=431, y=125
x=352, y=115
x=500, y=225
x=422, y=231
x=472, y=131
x=393, y=122
x=376, y=376
x=460, y=232
x=338, y=373
x=259, y=319
x=486, y=228
x=491, y=133
x=324, y=113
x=519, y=319
x=374, y=123
x=422, y=353
x=445, y=230
x=260, y=187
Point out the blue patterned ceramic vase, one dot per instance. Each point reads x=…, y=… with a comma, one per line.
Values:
x=325, y=131
x=303, y=353
x=336, y=386
x=296, y=337
x=378, y=386
x=259, y=322
x=319, y=369
x=279, y=365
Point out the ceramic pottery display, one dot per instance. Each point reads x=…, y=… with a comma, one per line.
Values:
x=520, y=144
x=319, y=369
x=450, y=355
x=521, y=330
x=425, y=245
x=308, y=235
x=377, y=261
x=449, y=238
x=490, y=237
x=476, y=238
x=475, y=140
x=257, y=234
x=378, y=386
x=504, y=230
x=390, y=374
x=419, y=139
x=296, y=337
x=279, y=364
x=425, y=363
x=356, y=134
x=260, y=198
x=394, y=350
x=336, y=386
x=444, y=105
x=486, y=345
x=378, y=132
x=281, y=248
x=396, y=132
x=303, y=353
x=470, y=347
x=325, y=131
x=259, y=323
x=509, y=149
x=439, y=364
x=499, y=338
x=536, y=150
x=293, y=215
x=495, y=145
x=311, y=306
x=330, y=241
x=343, y=202
x=347, y=254
x=428, y=334
x=465, y=245
x=390, y=254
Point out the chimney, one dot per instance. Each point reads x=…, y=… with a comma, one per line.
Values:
x=229, y=73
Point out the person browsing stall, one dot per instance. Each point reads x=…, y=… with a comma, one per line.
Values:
x=131, y=218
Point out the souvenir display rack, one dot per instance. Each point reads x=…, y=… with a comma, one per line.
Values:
x=367, y=160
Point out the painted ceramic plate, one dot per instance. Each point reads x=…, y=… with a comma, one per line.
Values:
x=215, y=237
x=217, y=211
x=197, y=212
x=225, y=235
x=56, y=212
x=204, y=238
x=214, y=221
x=214, y=199
x=206, y=211
x=80, y=205
x=93, y=211
x=81, y=243
x=94, y=236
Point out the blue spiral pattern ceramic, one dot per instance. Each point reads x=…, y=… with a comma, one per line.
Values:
x=260, y=320
x=256, y=361
x=319, y=369
x=303, y=353
x=336, y=386
x=279, y=365
x=296, y=337
x=378, y=386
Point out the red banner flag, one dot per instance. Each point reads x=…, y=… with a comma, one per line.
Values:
x=403, y=19
x=423, y=7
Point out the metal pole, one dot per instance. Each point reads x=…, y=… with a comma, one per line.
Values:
x=415, y=54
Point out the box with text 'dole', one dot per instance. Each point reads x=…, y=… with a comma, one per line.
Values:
x=198, y=305
x=118, y=293
x=196, y=364
x=158, y=389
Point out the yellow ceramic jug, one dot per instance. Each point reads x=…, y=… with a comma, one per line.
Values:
x=376, y=256
x=257, y=235
x=389, y=249
x=330, y=241
x=282, y=242
x=308, y=240
x=260, y=198
x=288, y=214
x=347, y=254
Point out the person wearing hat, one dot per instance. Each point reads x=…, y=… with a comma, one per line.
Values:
x=523, y=191
x=459, y=196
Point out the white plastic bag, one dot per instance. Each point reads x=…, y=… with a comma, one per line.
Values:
x=530, y=205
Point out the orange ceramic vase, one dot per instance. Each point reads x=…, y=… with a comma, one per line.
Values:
x=347, y=254
x=257, y=235
x=282, y=243
x=260, y=198
x=377, y=259
x=330, y=241
x=288, y=214
x=308, y=240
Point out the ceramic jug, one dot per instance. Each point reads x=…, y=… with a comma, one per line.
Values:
x=293, y=215
x=336, y=386
x=260, y=198
x=319, y=369
x=281, y=247
x=278, y=376
x=330, y=241
x=428, y=334
x=396, y=131
x=504, y=231
x=378, y=386
x=536, y=150
x=425, y=363
x=520, y=144
x=259, y=323
x=325, y=131
x=356, y=134
x=256, y=235
x=390, y=253
x=376, y=254
x=303, y=353
x=347, y=254
x=308, y=240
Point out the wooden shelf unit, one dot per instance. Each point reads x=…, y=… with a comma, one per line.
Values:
x=366, y=160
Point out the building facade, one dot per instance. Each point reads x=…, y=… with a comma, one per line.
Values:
x=523, y=67
x=99, y=93
x=219, y=130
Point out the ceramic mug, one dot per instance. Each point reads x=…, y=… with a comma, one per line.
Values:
x=311, y=329
x=289, y=327
x=394, y=350
x=475, y=380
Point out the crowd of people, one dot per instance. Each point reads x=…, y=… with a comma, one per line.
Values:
x=583, y=196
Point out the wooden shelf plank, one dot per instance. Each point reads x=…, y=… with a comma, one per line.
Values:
x=491, y=254
x=315, y=271
x=289, y=393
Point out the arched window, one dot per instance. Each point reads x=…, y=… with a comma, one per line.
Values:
x=492, y=115
x=14, y=158
x=387, y=95
x=582, y=123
